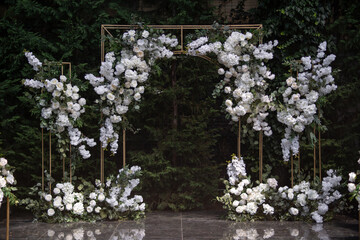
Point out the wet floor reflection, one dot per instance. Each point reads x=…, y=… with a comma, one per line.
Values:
x=288, y=230
x=182, y=226
x=87, y=231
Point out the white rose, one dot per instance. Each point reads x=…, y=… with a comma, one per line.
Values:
x=294, y=211
x=3, y=162
x=82, y=101
x=97, y=209
x=101, y=197
x=221, y=71
x=145, y=34
x=228, y=103
x=63, y=78
x=110, y=96
x=352, y=177
x=50, y=212
x=48, y=197
x=68, y=206
x=137, y=96
x=351, y=187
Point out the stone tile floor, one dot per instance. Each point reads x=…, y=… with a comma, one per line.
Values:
x=178, y=226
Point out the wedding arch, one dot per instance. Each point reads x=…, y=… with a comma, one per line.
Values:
x=107, y=30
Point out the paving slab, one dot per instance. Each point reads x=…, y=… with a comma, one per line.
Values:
x=192, y=225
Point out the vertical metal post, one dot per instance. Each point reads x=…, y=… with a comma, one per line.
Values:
x=292, y=170
x=124, y=148
x=42, y=161
x=7, y=219
x=239, y=139
x=320, y=154
x=260, y=155
x=50, y=159
x=314, y=156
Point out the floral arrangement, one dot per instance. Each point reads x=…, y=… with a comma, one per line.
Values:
x=301, y=96
x=60, y=105
x=7, y=182
x=247, y=202
x=123, y=75
x=110, y=200
x=354, y=186
x=244, y=77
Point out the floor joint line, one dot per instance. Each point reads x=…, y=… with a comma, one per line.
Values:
x=181, y=225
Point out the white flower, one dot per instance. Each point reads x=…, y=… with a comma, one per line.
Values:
x=316, y=216
x=48, y=197
x=78, y=208
x=68, y=206
x=293, y=211
x=145, y=34
x=251, y=208
x=351, y=187
x=221, y=71
x=92, y=195
x=97, y=209
x=352, y=177
x=50, y=212
x=101, y=197
x=3, y=162
x=2, y=182
x=110, y=96
x=272, y=182
x=235, y=203
x=89, y=209
x=268, y=210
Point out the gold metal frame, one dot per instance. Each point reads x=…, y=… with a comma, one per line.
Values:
x=50, y=152
x=106, y=30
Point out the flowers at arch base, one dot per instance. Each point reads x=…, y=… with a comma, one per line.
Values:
x=245, y=200
x=82, y=200
x=59, y=104
x=124, y=75
x=244, y=75
x=7, y=182
x=354, y=186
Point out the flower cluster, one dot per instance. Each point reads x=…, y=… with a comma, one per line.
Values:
x=123, y=77
x=354, y=186
x=301, y=95
x=7, y=180
x=268, y=201
x=110, y=200
x=61, y=106
x=244, y=77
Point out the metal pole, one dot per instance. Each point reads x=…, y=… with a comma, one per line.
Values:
x=260, y=155
x=7, y=219
x=314, y=156
x=124, y=148
x=50, y=159
x=239, y=139
x=320, y=154
x=42, y=161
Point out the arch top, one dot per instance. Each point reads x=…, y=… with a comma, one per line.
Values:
x=106, y=30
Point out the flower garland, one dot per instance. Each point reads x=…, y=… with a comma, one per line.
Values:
x=301, y=96
x=123, y=77
x=61, y=106
x=246, y=202
x=7, y=182
x=89, y=202
x=245, y=76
